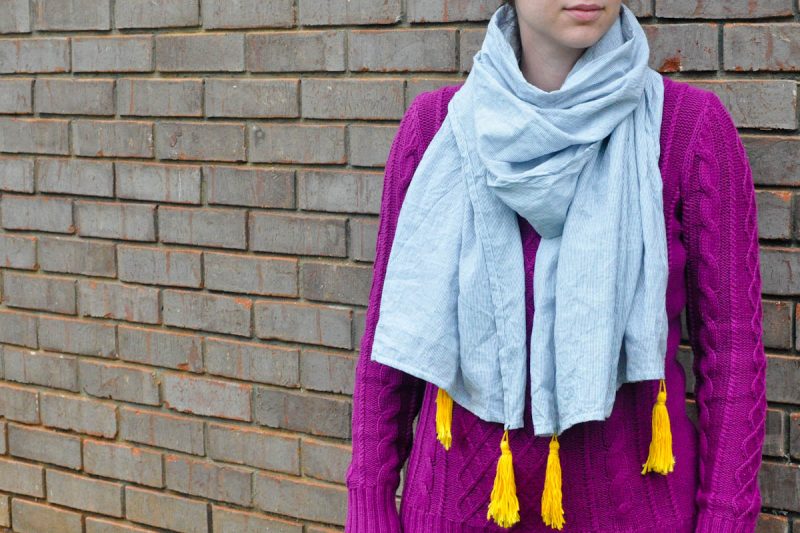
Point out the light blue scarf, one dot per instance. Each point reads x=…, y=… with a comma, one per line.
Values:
x=581, y=165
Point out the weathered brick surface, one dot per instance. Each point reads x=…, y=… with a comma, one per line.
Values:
x=161, y=348
x=209, y=397
x=83, y=337
x=248, y=186
x=252, y=275
x=21, y=477
x=79, y=414
x=290, y=143
x=200, y=52
x=402, y=50
x=45, y=446
x=175, y=513
x=38, y=136
x=44, y=293
x=286, y=495
x=16, y=174
x=117, y=300
x=308, y=413
x=682, y=47
x=353, y=98
x=15, y=16
x=247, y=13
x=297, y=234
x=730, y=9
x=158, y=183
x=72, y=14
x=43, y=213
x=84, y=493
x=160, y=98
x=75, y=176
x=149, y=14
x=306, y=323
x=30, y=517
x=341, y=12
x=207, y=312
x=189, y=206
x=19, y=403
x=258, y=448
x=296, y=51
x=16, y=96
x=73, y=256
x=173, y=432
x=224, y=519
x=200, y=141
x=159, y=266
x=199, y=478
x=18, y=251
x=95, y=138
x=252, y=98
x=132, y=53
x=55, y=371
x=250, y=361
x=119, y=382
x=114, y=220
x=49, y=54
x=123, y=462
x=325, y=461
x=74, y=97
x=220, y=228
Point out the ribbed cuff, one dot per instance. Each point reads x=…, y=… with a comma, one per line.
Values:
x=372, y=510
x=708, y=522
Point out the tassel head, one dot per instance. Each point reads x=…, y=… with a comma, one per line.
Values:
x=552, y=510
x=444, y=418
x=660, y=458
x=503, y=503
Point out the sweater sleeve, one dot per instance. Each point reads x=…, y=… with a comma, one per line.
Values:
x=385, y=400
x=724, y=319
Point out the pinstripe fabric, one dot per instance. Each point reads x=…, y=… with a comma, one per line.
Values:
x=581, y=165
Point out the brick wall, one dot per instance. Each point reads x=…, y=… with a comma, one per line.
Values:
x=190, y=192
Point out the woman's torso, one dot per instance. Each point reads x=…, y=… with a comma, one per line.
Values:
x=603, y=488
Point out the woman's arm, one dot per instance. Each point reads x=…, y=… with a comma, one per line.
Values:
x=724, y=317
x=385, y=400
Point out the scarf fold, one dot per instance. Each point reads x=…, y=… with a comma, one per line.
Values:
x=581, y=165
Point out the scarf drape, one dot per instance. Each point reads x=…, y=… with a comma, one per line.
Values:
x=581, y=165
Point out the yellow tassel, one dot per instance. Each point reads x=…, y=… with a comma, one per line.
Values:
x=552, y=511
x=660, y=458
x=444, y=418
x=503, y=504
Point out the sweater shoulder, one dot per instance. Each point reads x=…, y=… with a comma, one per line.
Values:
x=431, y=110
x=684, y=112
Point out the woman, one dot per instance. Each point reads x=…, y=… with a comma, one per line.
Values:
x=636, y=190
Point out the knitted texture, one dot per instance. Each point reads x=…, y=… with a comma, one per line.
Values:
x=711, y=224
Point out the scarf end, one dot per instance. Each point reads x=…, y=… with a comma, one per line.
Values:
x=660, y=458
x=552, y=509
x=444, y=418
x=503, y=503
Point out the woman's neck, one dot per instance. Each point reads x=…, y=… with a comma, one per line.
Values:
x=545, y=63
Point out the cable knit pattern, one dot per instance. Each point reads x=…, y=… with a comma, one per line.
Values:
x=711, y=223
x=725, y=323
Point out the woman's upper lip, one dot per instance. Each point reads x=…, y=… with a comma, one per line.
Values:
x=585, y=7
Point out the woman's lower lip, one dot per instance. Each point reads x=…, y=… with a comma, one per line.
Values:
x=585, y=15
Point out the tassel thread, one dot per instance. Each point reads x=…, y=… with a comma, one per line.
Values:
x=503, y=504
x=552, y=510
x=660, y=458
x=444, y=418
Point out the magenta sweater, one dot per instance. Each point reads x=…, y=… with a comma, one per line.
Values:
x=711, y=224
